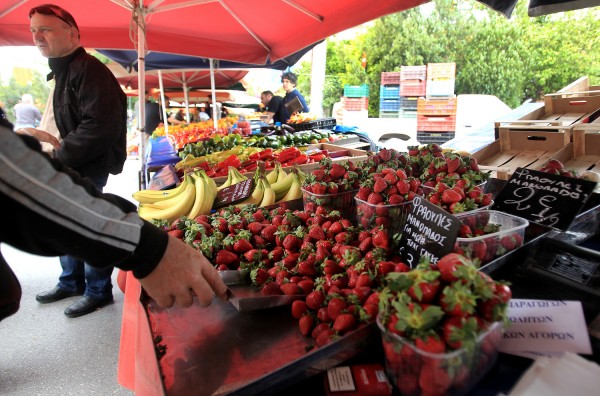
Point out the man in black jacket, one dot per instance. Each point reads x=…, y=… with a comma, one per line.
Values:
x=50, y=210
x=89, y=108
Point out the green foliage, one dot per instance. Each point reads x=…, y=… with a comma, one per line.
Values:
x=11, y=93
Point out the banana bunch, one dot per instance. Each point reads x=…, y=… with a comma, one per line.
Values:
x=193, y=197
x=233, y=177
x=294, y=189
x=282, y=181
x=262, y=195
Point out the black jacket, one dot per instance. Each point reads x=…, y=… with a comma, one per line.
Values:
x=50, y=210
x=90, y=109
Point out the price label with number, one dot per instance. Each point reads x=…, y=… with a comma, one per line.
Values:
x=429, y=231
x=543, y=198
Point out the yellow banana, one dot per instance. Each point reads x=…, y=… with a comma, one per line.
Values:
x=257, y=195
x=274, y=174
x=180, y=206
x=237, y=176
x=268, y=194
x=200, y=198
x=229, y=180
x=281, y=187
x=212, y=191
x=295, y=190
x=151, y=196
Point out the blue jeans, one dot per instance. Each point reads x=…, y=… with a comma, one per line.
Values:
x=80, y=276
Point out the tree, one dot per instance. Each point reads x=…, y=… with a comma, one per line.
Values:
x=11, y=94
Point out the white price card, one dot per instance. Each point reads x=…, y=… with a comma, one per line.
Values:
x=546, y=327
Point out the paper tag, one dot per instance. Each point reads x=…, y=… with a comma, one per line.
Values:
x=340, y=379
x=546, y=327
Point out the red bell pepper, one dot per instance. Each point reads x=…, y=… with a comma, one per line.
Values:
x=232, y=160
x=288, y=154
x=301, y=159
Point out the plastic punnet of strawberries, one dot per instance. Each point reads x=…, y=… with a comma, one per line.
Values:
x=332, y=186
x=384, y=199
x=441, y=325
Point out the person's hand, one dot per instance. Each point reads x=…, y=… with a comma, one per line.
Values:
x=40, y=135
x=181, y=274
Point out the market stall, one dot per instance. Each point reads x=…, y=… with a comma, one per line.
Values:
x=257, y=344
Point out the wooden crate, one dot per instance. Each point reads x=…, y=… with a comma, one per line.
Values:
x=579, y=87
x=584, y=152
x=355, y=155
x=520, y=150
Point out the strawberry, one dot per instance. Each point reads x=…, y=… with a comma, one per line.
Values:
x=291, y=242
x=380, y=186
x=335, y=307
x=306, y=286
x=242, y=246
x=225, y=257
x=554, y=164
x=337, y=171
x=430, y=344
x=315, y=299
x=510, y=242
x=176, y=233
x=306, y=324
x=316, y=233
x=270, y=289
x=344, y=322
x=450, y=196
x=459, y=332
x=448, y=264
x=458, y=300
x=259, y=276
x=323, y=326
x=324, y=337
x=381, y=239
x=290, y=289
x=453, y=164
x=374, y=198
x=503, y=292
x=299, y=308
x=434, y=380
x=254, y=227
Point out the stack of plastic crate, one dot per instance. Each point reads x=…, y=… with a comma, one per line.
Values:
x=436, y=113
x=440, y=80
x=389, y=95
x=355, y=102
x=413, y=80
x=436, y=120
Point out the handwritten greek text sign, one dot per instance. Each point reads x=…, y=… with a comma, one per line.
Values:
x=543, y=198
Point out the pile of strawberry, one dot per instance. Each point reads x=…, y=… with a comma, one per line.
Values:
x=484, y=250
x=381, y=199
x=385, y=158
x=331, y=186
x=459, y=195
x=438, y=309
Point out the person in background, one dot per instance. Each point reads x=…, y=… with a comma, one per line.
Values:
x=72, y=217
x=26, y=114
x=273, y=106
x=289, y=81
x=90, y=112
x=153, y=117
x=202, y=114
x=177, y=118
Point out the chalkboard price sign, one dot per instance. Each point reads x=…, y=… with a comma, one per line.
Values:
x=429, y=231
x=232, y=194
x=543, y=198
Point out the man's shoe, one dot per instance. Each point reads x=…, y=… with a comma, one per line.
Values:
x=56, y=294
x=85, y=305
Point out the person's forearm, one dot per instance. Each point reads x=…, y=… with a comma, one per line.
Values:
x=44, y=200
